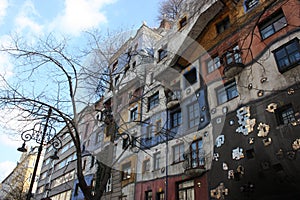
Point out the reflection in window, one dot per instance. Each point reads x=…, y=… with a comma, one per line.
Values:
x=272, y=25
x=288, y=55
x=228, y=92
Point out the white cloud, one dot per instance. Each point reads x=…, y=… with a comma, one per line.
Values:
x=80, y=15
x=3, y=7
x=6, y=168
x=26, y=19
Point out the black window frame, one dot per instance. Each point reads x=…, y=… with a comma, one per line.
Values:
x=160, y=195
x=226, y=88
x=153, y=101
x=272, y=24
x=175, y=118
x=183, y=187
x=148, y=195
x=288, y=55
x=285, y=115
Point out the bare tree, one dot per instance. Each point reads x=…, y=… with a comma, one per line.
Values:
x=48, y=75
x=170, y=9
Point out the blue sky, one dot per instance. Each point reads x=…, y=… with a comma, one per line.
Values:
x=34, y=18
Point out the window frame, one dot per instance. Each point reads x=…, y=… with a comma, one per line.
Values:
x=156, y=161
x=160, y=195
x=175, y=118
x=225, y=88
x=268, y=27
x=162, y=53
x=192, y=114
x=213, y=64
x=287, y=56
x=148, y=195
x=198, y=149
x=146, y=165
x=247, y=7
x=178, y=157
x=185, y=187
x=289, y=113
x=153, y=101
x=126, y=171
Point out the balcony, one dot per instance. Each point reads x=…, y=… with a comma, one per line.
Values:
x=232, y=63
x=173, y=98
x=194, y=163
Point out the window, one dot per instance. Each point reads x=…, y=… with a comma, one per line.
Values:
x=288, y=55
x=153, y=101
x=223, y=25
x=248, y=4
x=156, y=158
x=197, y=154
x=190, y=77
x=226, y=93
x=178, y=151
x=273, y=24
x=285, y=114
x=126, y=171
x=193, y=114
x=182, y=22
x=117, y=80
x=148, y=195
x=232, y=56
x=148, y=129
x=146, y=166
x=134, y=114
x=176, y=118
x=185, y=190
x=213, y=64
x=160, y=195
x=108, y=186
x=162, y=53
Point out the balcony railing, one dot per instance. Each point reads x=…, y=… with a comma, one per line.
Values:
x=232, y=63
x=194, y=163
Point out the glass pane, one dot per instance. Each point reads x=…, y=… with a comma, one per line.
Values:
x=280, y=54
x=222, y=97
x=232, y=92
x=190, y=194
x=280, y=24
x=266, y=32
x=295, y=57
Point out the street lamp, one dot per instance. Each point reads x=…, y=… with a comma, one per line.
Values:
x=43, y=136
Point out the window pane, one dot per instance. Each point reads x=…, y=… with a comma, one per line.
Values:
x=268, y=31
x=280, y=24
x=222, y=97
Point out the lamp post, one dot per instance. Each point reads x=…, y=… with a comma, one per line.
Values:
x=40, y=134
